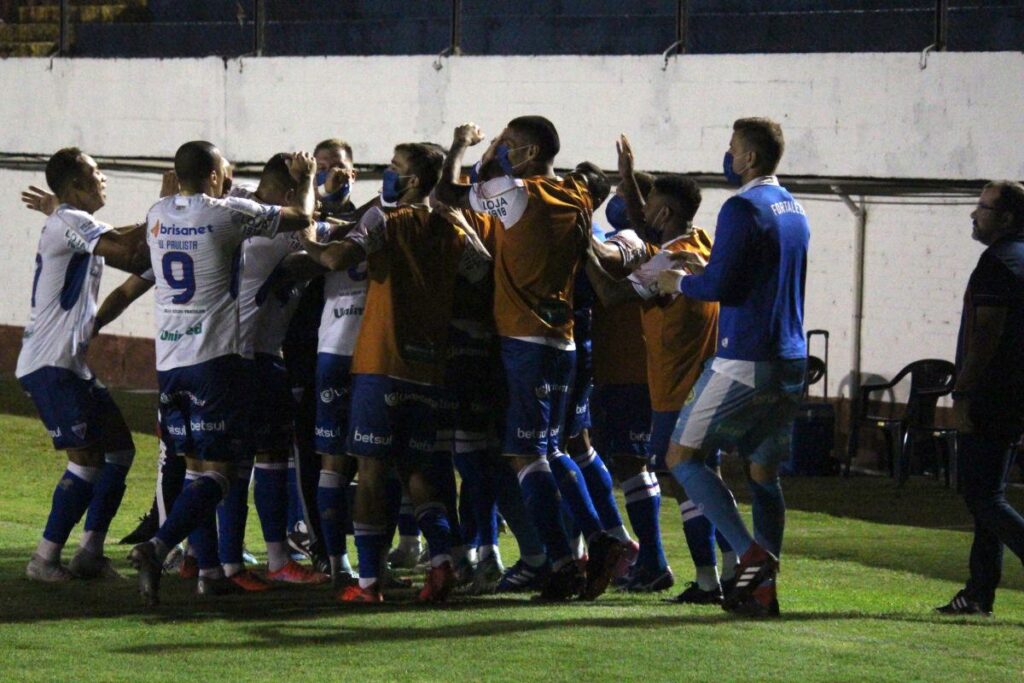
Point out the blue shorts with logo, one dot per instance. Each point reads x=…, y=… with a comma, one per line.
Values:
x=391, y=418
x=579, y=413
x=274, y=406
x=539, y=378
x=623, y=419
x=73, y=409
x=727, y=414
x=333, y=400
x=206, y=408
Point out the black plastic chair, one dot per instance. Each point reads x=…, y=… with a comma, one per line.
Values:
x=930, y=380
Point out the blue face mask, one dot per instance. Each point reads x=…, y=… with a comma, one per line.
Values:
x=501, y=153
x=390, y=190
x=731, y=176
x=339, y=195
x=616, y=213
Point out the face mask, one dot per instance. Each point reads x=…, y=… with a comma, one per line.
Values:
x=731, y=176
x=339, y=195
x=501, y=154
x=616, y=213
x=390, y=190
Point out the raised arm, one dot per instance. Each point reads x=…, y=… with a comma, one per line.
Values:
x=449, y=190
x=299, y=214
x=631, y=190
x=119, y=300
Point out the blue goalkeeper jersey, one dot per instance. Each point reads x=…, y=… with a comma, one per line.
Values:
x=757, y=271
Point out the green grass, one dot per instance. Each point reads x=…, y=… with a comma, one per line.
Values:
x=864, y=565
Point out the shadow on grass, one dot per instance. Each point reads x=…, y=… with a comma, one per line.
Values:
x=271, y=636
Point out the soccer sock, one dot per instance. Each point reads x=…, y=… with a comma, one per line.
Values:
x=294, y=499
x=270, y=495
x=729, y=557
x=478, y=488
x=330, y=501
x=700, y=536
x=407, y=521
x=196, y=505
x=599, y=484
x=369, y=544
x=570, y=484
x=170, y=482
x=769, y=512
x=643, y=505
x=509, y=497
x=470, y=491
x=433, y=521
x=70, y=501
x=108, y=490
x=705, y=489
x=441, y=473
x=393, y=507
x=541, y=500
x=231, y=517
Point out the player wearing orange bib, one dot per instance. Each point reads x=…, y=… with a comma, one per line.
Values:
x=413, y=257
x=545, y=222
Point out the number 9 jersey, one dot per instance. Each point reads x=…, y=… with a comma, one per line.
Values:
x=195, y=248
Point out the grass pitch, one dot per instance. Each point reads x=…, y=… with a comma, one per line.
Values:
x=864, y=565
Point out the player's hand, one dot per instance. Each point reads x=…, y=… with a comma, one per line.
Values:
x=302, y=165
x=626, y=160
x=336, y=177
x=169, y=184
x=467, y=135
x=694, y=264
x=39, y=200
x=668, y=281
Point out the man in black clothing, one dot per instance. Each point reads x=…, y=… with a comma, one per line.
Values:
x=988, y=398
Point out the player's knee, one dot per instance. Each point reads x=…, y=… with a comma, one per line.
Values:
x=90, y=456
x=221, y=479
x=122, y=458
x=274, y=457
x=763, y=474
x=678, y=454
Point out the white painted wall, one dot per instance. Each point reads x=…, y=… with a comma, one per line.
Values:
x=874, y=115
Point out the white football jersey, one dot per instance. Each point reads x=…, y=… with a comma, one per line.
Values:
x=344, y=303
x=195, y=245
x=64, y=291
x=264, y=312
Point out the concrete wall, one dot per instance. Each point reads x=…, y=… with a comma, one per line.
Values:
x=876, y=115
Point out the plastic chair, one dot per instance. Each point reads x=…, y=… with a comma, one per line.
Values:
x=930, y=379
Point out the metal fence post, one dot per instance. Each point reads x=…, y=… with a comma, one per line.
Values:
x=456, y=47
x=64, y=47
x=259, y=29
x=941, y=24
x=682, y=25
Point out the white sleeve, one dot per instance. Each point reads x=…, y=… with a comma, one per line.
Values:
x=148, y=275
x=474, y=262
x=81, y=231
x=252, y=218
x=369, y=233
x=645, y=278
x=503, y=197
x=632, y=248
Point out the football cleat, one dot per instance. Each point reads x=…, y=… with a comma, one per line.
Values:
x=359, y=595
x=143, y=558
x=647, y=581
x=695, y=595
x=628, y=559
x=440, y=582
x=762, y=602
x=293, y=572
x=207, y=586
x=299, y=541
x=604, y=552
x=147, y=527
x=406, y=557
x=45, y=571
x=563, y=584
x=962, y=605
x=248, y=557
x=250, y=582
x=756, y=567
x=487, y=576
x=174, y=558
x=189, y=568
x=87, y=565
x=521, y=578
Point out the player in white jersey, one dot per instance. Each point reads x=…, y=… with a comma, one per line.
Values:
x=266, y=305
x=195, y=239
x=76, y=408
